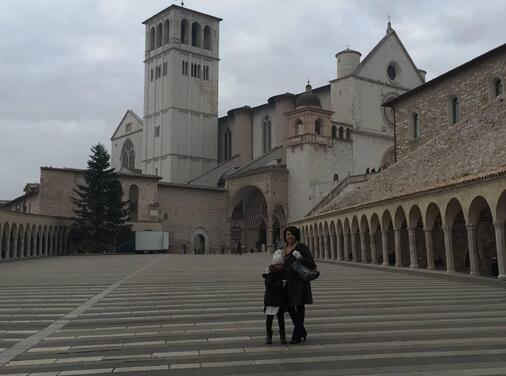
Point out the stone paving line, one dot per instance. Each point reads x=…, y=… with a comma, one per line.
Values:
x=200, y=315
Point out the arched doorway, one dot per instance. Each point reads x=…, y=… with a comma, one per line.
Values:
x=200, y=241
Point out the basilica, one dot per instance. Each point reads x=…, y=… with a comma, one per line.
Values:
x=375, y=167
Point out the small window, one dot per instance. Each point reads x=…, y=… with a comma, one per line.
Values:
x=348, y=134
x=415, y=126
x=152, y=39
x=318, y=126
x=128, y=127
x=334, y=132
x=393, y=72
x=335, y=177
x=152, y=74
x=454, y=110
x=157, y=131
x=498, y=87
x=184, y=31
x=165, y=68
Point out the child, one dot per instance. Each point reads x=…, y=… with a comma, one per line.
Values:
x=275, y=296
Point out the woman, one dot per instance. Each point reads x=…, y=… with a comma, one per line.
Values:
x=299, y=291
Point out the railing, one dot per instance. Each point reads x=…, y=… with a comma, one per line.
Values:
x=309, y=137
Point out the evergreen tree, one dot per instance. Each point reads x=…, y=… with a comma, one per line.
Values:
x=100, y=212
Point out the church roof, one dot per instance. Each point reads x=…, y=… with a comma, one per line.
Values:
x=474, y=149
x=390, y=32
x=308, y=99
x=174, y=6
x=131, y=112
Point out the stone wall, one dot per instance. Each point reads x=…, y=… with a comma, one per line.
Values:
x=431, y=102
x=188, y=211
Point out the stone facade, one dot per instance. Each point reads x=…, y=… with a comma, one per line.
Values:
x=470, y=83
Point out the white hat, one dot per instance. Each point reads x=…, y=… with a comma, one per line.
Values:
x=277, y=257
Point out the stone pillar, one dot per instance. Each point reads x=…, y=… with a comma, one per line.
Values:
x=270, y=246
x=374, y=256
x=473, y=255
x=333, y=249
x=384, y=246
x=501, y=250
x=447, y=230
x=346, y=246
x=325, y=247
x=413, y=256
x=363, y=248
x=354, y=250
x=46, y=245
x=22, y=247
x=7, y=245
x=29, y=245
x=340, y=256
x=398, y=254
x=15, y=247
x=428, y=248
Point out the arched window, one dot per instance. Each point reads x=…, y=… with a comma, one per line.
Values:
x=207, y=37
x=166, y=32
x=227, y=145
x=348, y=134
x=266, y=135
x=318, y=126
x=133, y=201
x=334, y=132
x=335, y=177
x=152, y=39
x=415, y=126
x=498, y=87
x=196, y=37
x=128, y=155
x=341, y=133
x=454, y=110
x=159, y=34
x=184, y=31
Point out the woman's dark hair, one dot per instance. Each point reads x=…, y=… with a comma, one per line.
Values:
x=294, y=231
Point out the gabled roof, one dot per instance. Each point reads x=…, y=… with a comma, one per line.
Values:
x=123, y=118
x=390, y=32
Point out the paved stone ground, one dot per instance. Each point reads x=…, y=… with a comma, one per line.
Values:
x=202, y=315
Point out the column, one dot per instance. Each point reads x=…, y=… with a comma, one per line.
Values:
x=473, y=255
x=501, y=250
x=325, y=247
x=333, y=252
x=374, y=257
x=7, y=245
x=29, y=245
x=15, y=247
x=413, y=256
x=320, y=247
x=46, y=245
x=398, y=259
x=384, y=246
x=447, y=230
x=22, y=247
x=354, y=251
x=428, y=248
x=269, y=245
x=346, y=246
x=340, y=256
x=363, y=248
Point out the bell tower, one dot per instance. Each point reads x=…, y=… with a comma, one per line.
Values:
x=313, y=151
x=180, y=94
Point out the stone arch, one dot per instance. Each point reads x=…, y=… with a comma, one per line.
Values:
x=196, y=34
x=417, y=246
x=4, y=240
x=347, y=240
x=152, y=37
x=318, y=127
x=355, y=240
x=166, y=32
x=207, y=38
x=375, y=234
x=387, y=238
x=326, y=241
x=340, y=240
x=455, y=234
x=319, y=245
x=159, y=35
x=482, y=257
x=402, y=256
x=365, y=242
x=13, y=236
x=200, y=243
x=184, y=31
x=333, y=240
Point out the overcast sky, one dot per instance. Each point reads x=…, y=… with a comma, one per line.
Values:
x=69, y=69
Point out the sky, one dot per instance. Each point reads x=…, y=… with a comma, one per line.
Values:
x=69, y=69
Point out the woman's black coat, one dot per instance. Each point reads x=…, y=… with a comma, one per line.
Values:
x=299, y=291
x=275, y=293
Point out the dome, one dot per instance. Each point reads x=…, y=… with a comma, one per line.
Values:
x=308, y=99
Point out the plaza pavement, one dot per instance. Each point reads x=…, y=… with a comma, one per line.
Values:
x=202, y=315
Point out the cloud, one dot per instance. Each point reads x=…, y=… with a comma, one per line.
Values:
x=70, y=68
